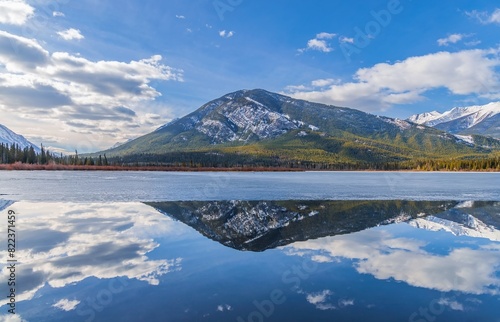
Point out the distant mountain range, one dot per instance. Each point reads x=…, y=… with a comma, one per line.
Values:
x=7, y=136
x=259, y=127
x=464, y=121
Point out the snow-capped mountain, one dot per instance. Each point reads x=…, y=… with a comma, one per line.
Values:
x=7, y=136
x=258, y=123
x=480, y=119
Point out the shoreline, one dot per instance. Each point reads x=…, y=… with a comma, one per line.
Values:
x=59, y=167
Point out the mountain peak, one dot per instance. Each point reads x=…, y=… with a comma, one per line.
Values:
x=257, y=124
x=477, y=119
x=7, y=136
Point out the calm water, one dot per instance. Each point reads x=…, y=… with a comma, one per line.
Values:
x=252, y=246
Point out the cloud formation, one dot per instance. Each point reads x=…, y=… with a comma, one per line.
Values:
x=376, y=88
x=63, y=87
x=71, y=34
x=226, y=34
x=451, y=39
x=320, y=300
x=379, y=253
x=485, y=17
x=15, y=12
x=319, y=43
x=61, y=247
x=66, y=305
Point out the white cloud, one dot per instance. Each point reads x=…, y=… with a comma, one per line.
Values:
x=376, y=88
x=452, y=304
x=346, y=40
x=344, y=302
x=485, y=17
x=66, y=305
x=320, y=300
x=325, y=35
x=451, y=39
x=319, y=43
x=60, y=90
x=73, y=252
x=15, y=12
x=323, y=82
x=58, y=14
x=19, y=53
x=226, y=34
x=71, y=34
x=473, y=43
x=224, y=307
x=377, y=252
x=180, y=17
x=11, y=318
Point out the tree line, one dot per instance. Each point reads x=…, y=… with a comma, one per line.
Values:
x=10, y=154
x=13, y=153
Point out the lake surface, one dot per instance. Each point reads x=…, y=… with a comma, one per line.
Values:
x=252, y=246
x=161, y=186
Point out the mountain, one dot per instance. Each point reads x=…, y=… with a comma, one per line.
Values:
x=481, y=120
x=260, y=225
x=472, y=219
x=258, y=127
x=9, y=137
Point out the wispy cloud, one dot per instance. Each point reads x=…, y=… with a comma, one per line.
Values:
x=485, y=17
x=451, y=39
x=452, y=304
x=346, y=40
x=71, y=34
x=58, y=14
x=66, y=305
x=180, y=17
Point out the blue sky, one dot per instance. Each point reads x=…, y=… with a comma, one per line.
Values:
x=87, y=74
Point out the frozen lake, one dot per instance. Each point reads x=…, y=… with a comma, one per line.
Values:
x=161, y=186
x=314, y=246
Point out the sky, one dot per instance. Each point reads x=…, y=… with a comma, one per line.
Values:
x=84, y=75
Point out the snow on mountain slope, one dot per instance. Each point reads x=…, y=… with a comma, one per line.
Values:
x=424, y=117
x=9, y=137
x=472, y=227
x=479, y=119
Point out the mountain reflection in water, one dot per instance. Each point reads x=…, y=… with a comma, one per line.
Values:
x=261, y=225
x=70, y=254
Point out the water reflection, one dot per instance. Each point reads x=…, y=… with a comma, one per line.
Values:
x=61, y=244
x=74, y=256
x=261, y=225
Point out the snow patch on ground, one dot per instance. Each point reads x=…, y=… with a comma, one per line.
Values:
x=466, y=138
